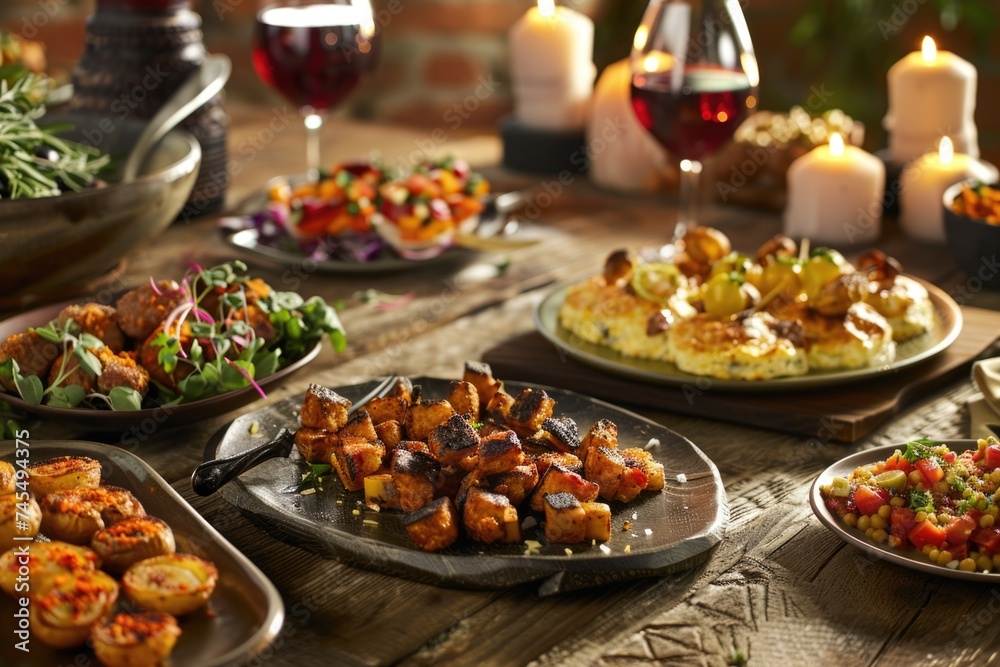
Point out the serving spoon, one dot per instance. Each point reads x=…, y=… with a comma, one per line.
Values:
x=201, y=86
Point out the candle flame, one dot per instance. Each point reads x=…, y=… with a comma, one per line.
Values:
x=946, y=150
x=546, y=8
x=836, y=144
x=929, y=49
x=641, y=35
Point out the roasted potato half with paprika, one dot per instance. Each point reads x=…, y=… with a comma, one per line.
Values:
x=135, y=640
x=176, y=584
x=63, y=612
x=64, y=473
x=44, y=559
x=127, y=542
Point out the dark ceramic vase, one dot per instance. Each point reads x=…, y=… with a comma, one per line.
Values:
x=137, y=53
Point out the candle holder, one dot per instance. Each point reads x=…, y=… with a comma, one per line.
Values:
x=540, y=151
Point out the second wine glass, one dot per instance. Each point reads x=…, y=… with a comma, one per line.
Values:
x=315, y=53
x=694, y=80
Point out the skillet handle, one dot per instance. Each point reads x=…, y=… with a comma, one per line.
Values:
x=210, y=476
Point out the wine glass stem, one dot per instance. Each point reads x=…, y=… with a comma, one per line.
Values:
x=314, y=128
x=688, y=215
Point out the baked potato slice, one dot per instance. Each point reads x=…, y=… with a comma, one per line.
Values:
x=44, y=559
x=63, y=473
x=127, y=542
x=63, y=612
x=175, y=584
x=135, y=640
x=12, y=519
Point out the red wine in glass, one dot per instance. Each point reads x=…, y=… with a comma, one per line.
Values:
x=696, y=116
x=315, y=55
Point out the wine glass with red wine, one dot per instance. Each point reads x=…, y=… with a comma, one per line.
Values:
x=694, y=80
x=315, y=52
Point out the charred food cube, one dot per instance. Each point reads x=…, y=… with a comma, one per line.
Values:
x=565, y=519
x=381, y=492
x=324, y=409
x=605, y=468
x=356, y=458
x=560, y=433
x=604, y=433
x=480, y=375
x=558, y=479
x=434, y=526
x=598, y=521
x=359, y=425
x=315, y=445
x=636, y=457
x=424, y=416
x=516, y=484
x=496, y=411
x=464, y=397
x=403, y=388
x=529, y=410
x=387, y=408
x=569, y=461
x=416, y=475
x=453, y=441
x=499, y=452
x=389, y=432
x=489, y=517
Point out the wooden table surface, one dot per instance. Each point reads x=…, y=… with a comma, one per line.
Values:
x=780, y=589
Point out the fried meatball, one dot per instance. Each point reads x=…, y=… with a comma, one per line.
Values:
x=34, y=355
x=98, y=321
x=148, y=359
x=140, y=311
x=258, y=321
x=119, y=370
x=73, y=373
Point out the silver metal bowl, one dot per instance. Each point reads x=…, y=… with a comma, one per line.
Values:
x=53, y=242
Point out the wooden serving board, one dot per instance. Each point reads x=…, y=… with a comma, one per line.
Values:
x=844, y=413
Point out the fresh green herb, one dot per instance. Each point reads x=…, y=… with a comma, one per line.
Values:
x=919, y=449
x=476, y=425
x=738, y=659
x=921, y=501
x=312, y=481
x=33, y=161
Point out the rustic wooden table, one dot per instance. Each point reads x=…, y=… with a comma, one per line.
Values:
x=780, y=589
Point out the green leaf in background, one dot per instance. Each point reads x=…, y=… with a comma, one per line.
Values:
x=124, y=399
x=88, y=361
x=30, y=388
x=65, y=397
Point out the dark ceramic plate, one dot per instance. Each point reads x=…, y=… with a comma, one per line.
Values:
x=909, y=558
x=244, y=614
x=684, y=521
x=947, y=326
x=108, y=420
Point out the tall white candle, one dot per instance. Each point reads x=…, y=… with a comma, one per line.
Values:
x=835, y=195
x=922, y=186
x=931, y=94
x=552, y=67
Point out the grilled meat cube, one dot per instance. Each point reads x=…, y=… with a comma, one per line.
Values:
x=604, y=433
x=472, y=480
x=605, y=468
x=464, y=397
x=315, y=445
x=565, y=519
x=324, y=409
x=434, y=526
x=633, y=481
x=356, y=458
x=489, y=517
x=496, y=410
x=558, y=479
x=403, y=389
x=387, y=408
x=416, y=475
x=636, y=457
x=528, y=411
x=423, y=416
x=480, y=375
x=389, y=432
x=499, y=453
x=560, y=433
x=516, y=484
x=414, y=446
x=450, y=481
x=598, y=521
x=569, y=461
x=359, y=425
x=381, y=492
x=453, y=441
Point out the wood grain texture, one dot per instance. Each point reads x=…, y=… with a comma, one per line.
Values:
x=780, y=588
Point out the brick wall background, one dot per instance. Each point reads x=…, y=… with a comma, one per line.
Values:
x=436, y=53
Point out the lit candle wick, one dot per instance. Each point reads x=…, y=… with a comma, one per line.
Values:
x=836, y=144
x=929, y=49
x=547, y=8
x=946, y=151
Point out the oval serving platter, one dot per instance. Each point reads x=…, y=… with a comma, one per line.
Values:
x=684, y=521
x=110, y=420
x=244, y=614
x=948, y=325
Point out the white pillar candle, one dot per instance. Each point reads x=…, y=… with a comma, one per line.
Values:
x=552, y=67
x=922, y=186
x=931, y=94
x=835, y=195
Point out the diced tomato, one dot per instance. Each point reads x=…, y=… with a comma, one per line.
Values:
x=992, y=457
x=868, y=499
x=901, y=521
x=959, y=529
x=925, y=533
x=898, y=463
x=988, y=539
x=950, y=457
x=959, y=552
x=931, y=470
